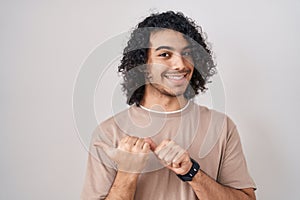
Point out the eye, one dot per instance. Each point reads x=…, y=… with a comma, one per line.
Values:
x=187, y=53
x=165, y=54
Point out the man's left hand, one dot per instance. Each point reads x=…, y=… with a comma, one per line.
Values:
x=171, y=155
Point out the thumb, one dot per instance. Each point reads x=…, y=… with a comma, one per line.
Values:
x=151, y=143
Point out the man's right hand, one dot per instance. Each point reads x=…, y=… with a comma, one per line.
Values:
x=131, y=155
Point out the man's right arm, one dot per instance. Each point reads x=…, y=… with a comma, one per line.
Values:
x=131, y=156
x=124, y=186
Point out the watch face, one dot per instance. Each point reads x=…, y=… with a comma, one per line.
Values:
x=187, y=178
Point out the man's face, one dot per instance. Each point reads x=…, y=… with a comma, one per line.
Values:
x=170, y=64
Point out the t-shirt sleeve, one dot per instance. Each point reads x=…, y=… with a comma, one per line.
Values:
x=234, y=172
x=100, y=172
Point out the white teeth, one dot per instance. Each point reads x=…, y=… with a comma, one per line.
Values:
x=175, y=77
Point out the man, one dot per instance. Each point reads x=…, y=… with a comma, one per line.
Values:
x=165, y=146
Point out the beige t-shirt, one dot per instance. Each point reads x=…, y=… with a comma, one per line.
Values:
x=210, y=137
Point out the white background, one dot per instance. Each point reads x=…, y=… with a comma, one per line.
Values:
x=44, y=43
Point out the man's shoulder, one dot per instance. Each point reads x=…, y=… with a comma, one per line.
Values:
x=115, y=118
x=207, y=112
x=111, y=127
x=215, y=115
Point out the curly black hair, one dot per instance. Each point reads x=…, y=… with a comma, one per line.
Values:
x=134, y=60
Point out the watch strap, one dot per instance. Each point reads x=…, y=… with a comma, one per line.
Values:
x=193, y=171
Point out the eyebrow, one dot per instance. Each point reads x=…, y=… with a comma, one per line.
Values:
x=171, y=48
x=164, y=47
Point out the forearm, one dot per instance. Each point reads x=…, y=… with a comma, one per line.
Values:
x=208, y=189
x=124, y=186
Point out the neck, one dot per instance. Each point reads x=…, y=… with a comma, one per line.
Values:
x=160, y=102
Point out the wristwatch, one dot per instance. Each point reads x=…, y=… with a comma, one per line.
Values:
x=193, y=171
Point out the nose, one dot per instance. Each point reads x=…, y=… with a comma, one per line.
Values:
x=178, y=62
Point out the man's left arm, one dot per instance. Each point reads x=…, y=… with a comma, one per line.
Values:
x=204, y=186
x=207, y=188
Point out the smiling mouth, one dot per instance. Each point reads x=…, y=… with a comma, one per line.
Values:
x=176, y=77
